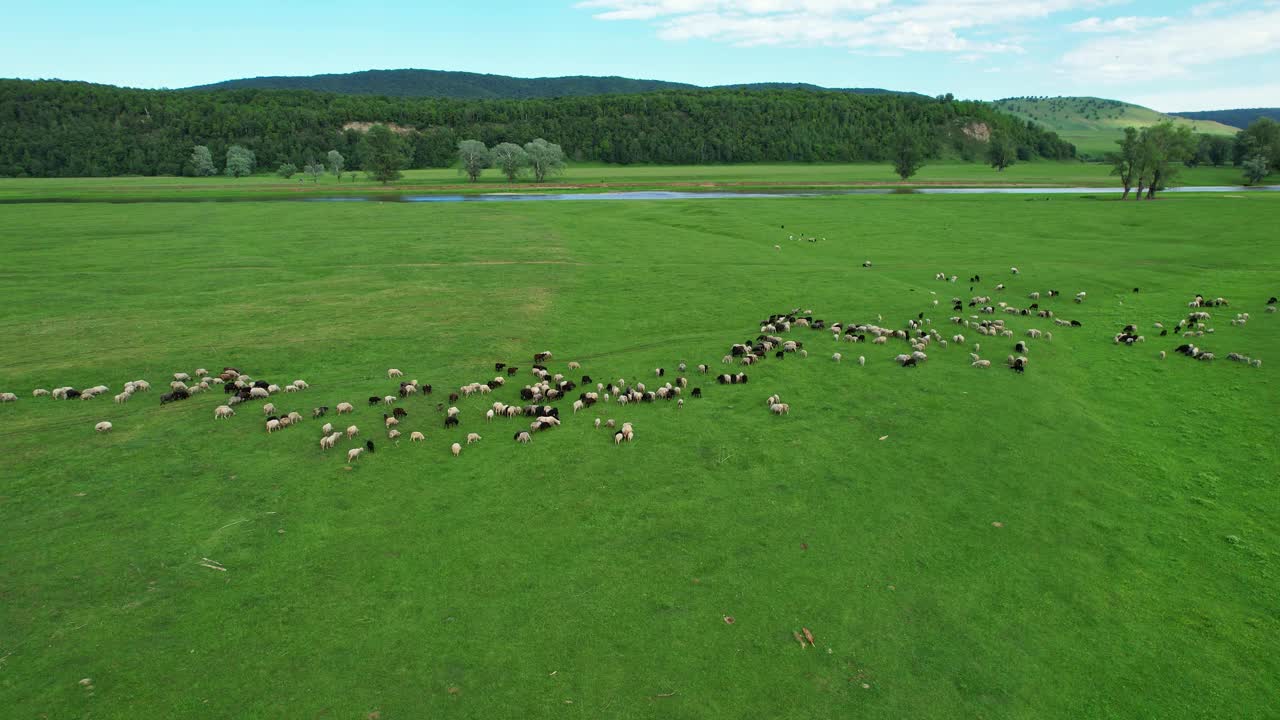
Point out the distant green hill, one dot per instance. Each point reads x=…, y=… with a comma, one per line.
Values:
x=476, y=86
x=1094, y=124
x=1237, y=118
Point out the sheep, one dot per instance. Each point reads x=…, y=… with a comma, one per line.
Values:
x=679, y=403
x=301, y=384
x=389, y=400
x=259, y=393
x=38, y=392
x=272, y=426
x=320, y=411
x=393, y=434
x=352, y=432
x=523, y=437
x=394, y=373
x=597, y=423
x=344, y=407
x=456, y=449
x=618, y=437
x=295, y=417
x=101, y=427
x=268, y=409
x=223, y=411
x=122, y=397
x=416, y=436
x=573, y=365
x=488, y=416
x=389, y=421
x=1162, y=355
x=453, y=412
x=473, y=438
x=577, y=405
x=326, y=442
x=1020, y=347
x=837, y=357
x=327, y=429
x=610, y=423
x=273, y=389
x=780, y=409
x=142, y=385
x=981, y=363
x=181, y=376
x=285, y=421
x=354, y=453
x=703, y=369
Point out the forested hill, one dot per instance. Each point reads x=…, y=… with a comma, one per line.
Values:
x=475, y=86
x=1237, y=118
x=449, y=84
x=54, y=128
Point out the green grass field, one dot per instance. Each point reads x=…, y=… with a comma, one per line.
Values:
x=594, y=177
x=1133, y=574
x=1094, y=125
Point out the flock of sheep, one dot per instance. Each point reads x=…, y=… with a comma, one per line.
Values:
x=547, y=387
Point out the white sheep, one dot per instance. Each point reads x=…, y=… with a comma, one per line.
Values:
x=416, y=436
x=327, y=442
x=273, y=425
x=837, y=357
x=524, y=437
x=223, y=411
x=301, y=384
x=456, y=449
x=352, y=432
x=453, y=412
x=354, y=453
x=295, y=417
x=1162, y=355
x=123, y=398
x=273, y=389
x=393, y=434
x=181, y=376
x=390, y=422
x=142, y=385
x=285, y=421
x=574, y=366
x=488, y=416
x=345, y=407
x=862, y=359
x=394, y=373
x=389, y=400
x=38, y=392
x=577, y=405
x=473, y=438
x=327, y=428
x=982, y=363
x=269, y=409
x=259, y=393
x=103, y=426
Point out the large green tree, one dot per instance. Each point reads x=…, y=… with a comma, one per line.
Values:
x=908, y=156
x=380, y=154
x=510, y=159
x=1255, y=169
x=473, y=158
x=1001, y=152
x=239, y=161
x=1126, y=162
x=202, y=162
x=545, y=158
x=1262, y=137
x=1162, y=149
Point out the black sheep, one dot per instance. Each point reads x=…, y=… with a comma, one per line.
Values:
x=779, y=355
x=399, y=413
x=450, y=421
x=1272, y=300
x=697, y=392
x=228, y=388
x=262, y=384
x=374, y=400
x=453, y=398
x=586, y=379
x=511, y=371
x=320, y=411
x=368, y=444
x=1076, y=323
x=498, y=366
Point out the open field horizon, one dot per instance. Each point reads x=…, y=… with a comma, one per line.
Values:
x=1093, y=538
x=597, y=176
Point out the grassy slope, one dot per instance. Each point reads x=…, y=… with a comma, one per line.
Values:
x=1094, y=124
x=514, y=579
x=596, y=177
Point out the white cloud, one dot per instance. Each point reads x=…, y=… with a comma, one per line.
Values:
x=1114, y=25
x=1175, y=48
x=1217, y=98
x=866, y=26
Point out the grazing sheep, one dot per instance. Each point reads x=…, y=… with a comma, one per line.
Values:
x=268, y=409
x=1162, y=355
x=273, y=388
x=223, y=411
x=394, y=373
x=354, y=453
x=393, y=434
x=523, y=437
x=102, y=427
x=344, y=407
x=981, y=363
x=285, y=421
x=259, y=393
x=273, y=425
x=451, y=421
x=142, y=385
x=183, y=377
x=453, y=412
x=1020, y=347
x=352, y=432
x=327, y=429
x=577, y=405
x=837, y=357
x=389, y=400
x=38, y=392
x=121, y=398
x=389, y=421
x=780, y=409
x=574, y=365
x=456, y=449
x=473, y=438
x=326, y=442
x=416, y=436
x=488, y=416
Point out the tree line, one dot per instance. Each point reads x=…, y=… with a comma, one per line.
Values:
x=55, y=128
x=1148, y=159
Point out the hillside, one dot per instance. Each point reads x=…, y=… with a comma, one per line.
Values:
x=64, y=129
x=1237, y=118
x=1094, y=124
x=477, y=86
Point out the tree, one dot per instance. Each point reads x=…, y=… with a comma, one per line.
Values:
x=1162, y=147
x=335, y=163
x=287, y=170
x=239, y=161
x=1126, y=162
x=380, y=154
x=907, y=155
x=544, y=159
x=202, y=162
x=1255, y=169
x=314, y=169
x=473, y=158
x=510, y=158
x=1001, y=153
x=1262, y=137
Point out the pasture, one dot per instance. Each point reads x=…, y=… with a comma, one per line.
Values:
x=1096, y=537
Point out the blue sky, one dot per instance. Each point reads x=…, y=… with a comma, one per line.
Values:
x=1167, y=55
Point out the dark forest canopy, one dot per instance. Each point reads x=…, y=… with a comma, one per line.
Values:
x=477, y=86
x=1241, y=118
x=66, y=129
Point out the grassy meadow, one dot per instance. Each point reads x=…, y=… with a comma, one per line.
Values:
x=1094, y=125
x=1095, y=538
x=594, y=176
